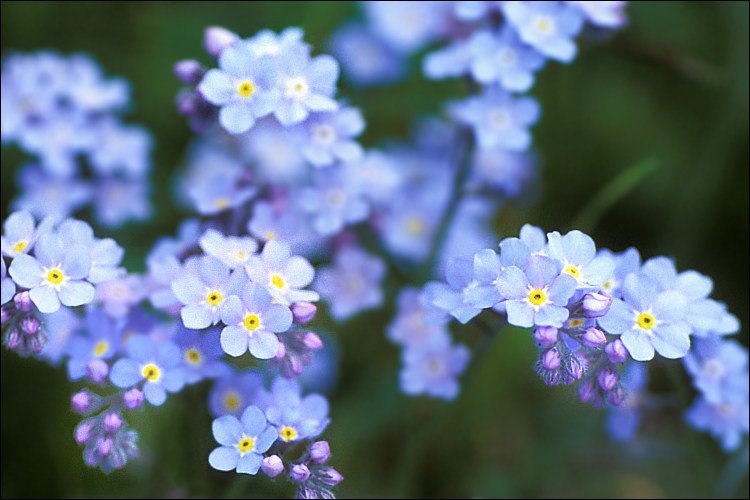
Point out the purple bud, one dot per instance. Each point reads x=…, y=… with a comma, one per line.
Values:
x=616, y=395
x=295, y=365
x=81, y=402
x=216, y=39
x=299, y=473
x=596, y=305
x=329, y=476
x=545, y=336
x=312, y=341
x=104, y=446
x=320, y=452
x=616, y=351
x=593, y=337
x=97, y=370
x=587, y=391
x=4, y=315
x=575, y=368
x=281, y=352
x=36, y=343
x=13, y=340
x=23, y=302
x=551, y=359
x=82, y=433
x=189, y=71
x=303, y=312
x=272, y=466
x=30, y=325
x=112, y=422
x=607, y=379
x=133, y=398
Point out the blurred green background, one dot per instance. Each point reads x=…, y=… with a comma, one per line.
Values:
x=673, y=87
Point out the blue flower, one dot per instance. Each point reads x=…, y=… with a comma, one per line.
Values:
x=333, y=202
x=366, y=60
x=235, y=391
x=433, y=367
x=20, y=233
x=626, y=262
x=200, y=354
x=537, y=295
x=233, y=251
x=408, y=26
x=121, y=149
x=604, y=14
x=46, y=196
x=242, y=88
x=243, y=441
x=216, y=189
x=352, y=284
x=718, y=368
x=157, y=367
x=727, y=422
x=499, y=120
x=268, y=43
x=253, y=320
x=455, y=295
x=55, y=275
x=284, y=223
x=623, y=420
x=8, y=286
x=502, y=58
x=105, y=253
x=100, y=339
x=204, y=291
x=282, y=274
x=295, y=417
x=330, y=137
x=648, y=319
x=549, y=27
x=488, y=267
x=416, y=322
x=577, y=253
x=118, y=201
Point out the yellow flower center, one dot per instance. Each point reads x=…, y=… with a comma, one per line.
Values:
x=646, y=321
x=572, y=270
x=544, y=24
x=20, y=246
x=288, y=433
x=251, y=322
x=414, y=226
x=214, y=298
x=232, y=401
x=240, y=255
x=222, y=203
x=246, y=88
x=537, y=297
x=270, y=235
x=608, y=285
x=575, y=323
x=101, y=348
x=193, y=356
x=55, y=276
x=246, y=444
x=277, y=281
x=151, y=372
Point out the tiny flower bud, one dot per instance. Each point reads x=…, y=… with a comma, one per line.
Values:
x=104, y=446
x=329, y=476
x=82, y=433
x=593, y=337
x=303, y=312
x=272, y=466
x=81, y=402
x=616, y=351
x=587, y=391
x=112, y=422
x=607, y=379
x=312, y=341
x=97, y=370
x=4, y=315
x=189, y=71
x=574, y=368
x=545, y=336
x=30, y=325
x=596, y=305
x=216, y=39
x=133, y=398
x=23, y=302
x=35, y=341
x=616, y=395
x=281, y=352
x=295, y=365
x=13, y=341
x=299, y=473
x=320, y=452
x=551, y=359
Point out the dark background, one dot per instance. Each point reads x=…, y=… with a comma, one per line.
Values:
x=672, y=87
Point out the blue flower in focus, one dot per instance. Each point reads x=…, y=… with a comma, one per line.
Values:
x=243, y=441
x=106, y=255
x=233, y=251
x=200, y=354
x=55, y=275
x=488, y=268
x=549, y=27
x=626, y=262
x=649, y=319
x=577, y=253
x=235, y=391
x=20, y=233
x=718, y=368
x=8, y=286
x=157, y=367
x=352, y=284
x=537, y=295
x=433, y=367
x=282, y=274
x=100, y=339
x=253, y=320
x=295, y=417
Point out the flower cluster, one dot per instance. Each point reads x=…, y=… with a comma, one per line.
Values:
x=65, y=114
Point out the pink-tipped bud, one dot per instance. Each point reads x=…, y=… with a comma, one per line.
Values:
x=545, y=336
x=272, y=466
x=216, y=39
x=97, y=370
x=607, y=379
x=4, y=315
x=303, y=312
x=616, y=351
x=30, y=325
x=82, y=434
x=587, y=391
x=13, y=341
x=551, y=359
x=112, y=422
x=104, y=446
x=320, y=452
x=576, y=367
x=81, y=402
x=281, y=352
x=133, y=398
x=329, y=476
x=23, y=302
x=299, y=473
x=596, y=305
x=189, y=71
x=312, y=341
x=295, y=365
x=593, y=337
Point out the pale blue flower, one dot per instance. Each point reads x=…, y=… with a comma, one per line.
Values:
x=243, y=441
x=282, y=274
x=352, y=284
x=330, y=137
x=304, y=85
x=549, y=27
x=577, y=253
x=296, y=417
x=433, y=367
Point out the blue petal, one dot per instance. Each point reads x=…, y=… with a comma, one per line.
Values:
x=513, y=284
x=125, y=373
x=141, y=348
x=640, y=291
x=195, y=317
x=619, y=318
x=224, y=458
x=26, y=271
x=638, y=344
x=551, y=315
x=694, y=285
x=266, y=439
x=315, y=406
x=77, y=262
x=44, y=298
x=232, y=312
x=579, y=248
x=227, y=430
x=253, y=421
x=76, y=293
x=263, y=345
x=520, y=313
x=236, y=117
x=168, y=354
x=486, y=266
x=514, y=252
x=661, y=270
x=49, y=250
x=217, y=87
x=562, y=289
x=541, y=271
x=483, y=296
x=234, y=340
x=249, y=464
x=670, y=306
x=672, y=341
x=154, y=393
x=277, y=318
x=299, y=272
